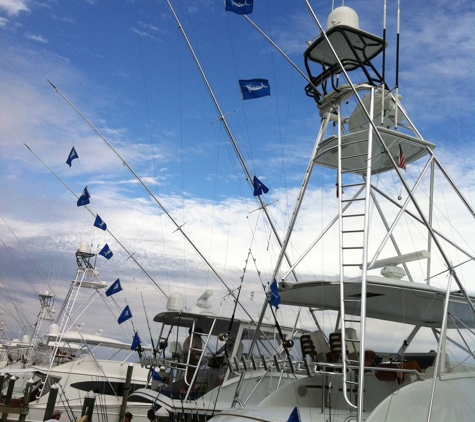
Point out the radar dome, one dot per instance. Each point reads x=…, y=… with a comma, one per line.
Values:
x=175, y=302
x=343, y=16
x=83, y=247
x=53, y=330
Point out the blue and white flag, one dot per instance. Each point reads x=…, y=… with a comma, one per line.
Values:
x=100, y=223
x=274, y=298
x=294, y=416
x=72, y=156
x=114, y=288
x=259, y=187
x=84, y=198
x=106, y=252
x=254, y=88
x=125, y=315
x=155, y=375
x=136, y=341
x=241, y=7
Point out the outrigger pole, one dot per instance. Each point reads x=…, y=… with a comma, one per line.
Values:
x=222, y=117
x=178, y=227
x=85, y=206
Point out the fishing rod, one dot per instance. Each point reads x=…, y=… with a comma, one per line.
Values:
x=108, y=231
x=178, y=227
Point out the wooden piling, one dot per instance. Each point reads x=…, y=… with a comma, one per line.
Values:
x=128, y=380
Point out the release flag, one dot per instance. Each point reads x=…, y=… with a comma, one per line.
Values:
x=254, y=88
x=259, y=187
x=125, y=315
x=274, y=298
x=294, y=416
x=72, y=156
x=84, y=198
x=106, y=252
x=114, y=288
x=155, y=375
x=241, y=7
x=136, y=341
x=100, y=223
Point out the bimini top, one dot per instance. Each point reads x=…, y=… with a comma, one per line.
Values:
x=387, y=300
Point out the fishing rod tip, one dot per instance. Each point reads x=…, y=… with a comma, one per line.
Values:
x=51, y=83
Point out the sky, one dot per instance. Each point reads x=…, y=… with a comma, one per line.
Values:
x=126, y=68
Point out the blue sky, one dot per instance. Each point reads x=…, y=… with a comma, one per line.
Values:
x=125, y=66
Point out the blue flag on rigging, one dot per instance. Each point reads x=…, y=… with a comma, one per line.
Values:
x=100, y=223
x=106, y=252
x=84, y=198
x=254, y=88
x=241, y=7
x=274, y=298
x=136, y=341
x=114, y=288
x=155, y=375
x=259, y=187
x=125, y=315
x=72, y=155
x=294, y=416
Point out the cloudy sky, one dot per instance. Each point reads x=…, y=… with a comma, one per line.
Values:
x=125, y=66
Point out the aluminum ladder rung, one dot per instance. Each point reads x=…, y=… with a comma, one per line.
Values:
x=354, y=199
x=352, y=215
x=352, y=247
x=353, y=185
x=352, y=231
x=353, y=170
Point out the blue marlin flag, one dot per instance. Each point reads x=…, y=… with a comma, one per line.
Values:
x=84, y=198
x=114, y=288
x=125, y=315
x=294, y=416
x=155, y=375
x=106, y=252
x=254, y=88
x=274, y=298
x=136, y=341
x=72, y=156
x=241, y=7
x=100, y=223
x=259, y=187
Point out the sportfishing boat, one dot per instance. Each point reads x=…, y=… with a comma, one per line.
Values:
x=398, y=345
x=211, y=369
x=73, y=373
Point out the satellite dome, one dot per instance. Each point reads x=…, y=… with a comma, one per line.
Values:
x=175, y=302
x=53, y=330
x=343, y=16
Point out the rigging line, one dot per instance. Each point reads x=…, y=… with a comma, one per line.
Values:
x=283, y=54
x=131, y=255
x=179, y=228
x=29, y=257
x=222, y=117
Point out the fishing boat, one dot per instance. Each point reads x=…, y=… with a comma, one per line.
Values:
x=394, y=335
x=72, y=372
x=200, y=380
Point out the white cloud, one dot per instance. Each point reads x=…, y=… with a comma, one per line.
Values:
x=14, y=7
x=37, y=38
